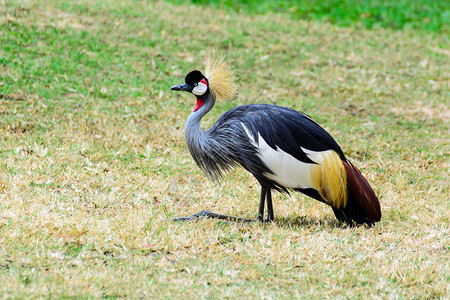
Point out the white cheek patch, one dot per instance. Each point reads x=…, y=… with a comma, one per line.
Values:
x=201, y=88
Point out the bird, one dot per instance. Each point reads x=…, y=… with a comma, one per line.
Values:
x=285, y=150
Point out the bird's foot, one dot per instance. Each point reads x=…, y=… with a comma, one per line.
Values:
x=268, y=220
x=211, y=215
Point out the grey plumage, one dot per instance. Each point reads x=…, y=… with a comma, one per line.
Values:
x=225, y=145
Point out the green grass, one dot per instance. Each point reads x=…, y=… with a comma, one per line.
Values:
x=93, y=159
x=426, y=15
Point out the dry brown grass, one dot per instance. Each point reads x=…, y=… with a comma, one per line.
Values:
x=93, y=161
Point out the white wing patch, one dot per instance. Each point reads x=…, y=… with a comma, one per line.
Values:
x=287, y=170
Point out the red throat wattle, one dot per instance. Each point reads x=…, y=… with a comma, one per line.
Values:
x=199, y=104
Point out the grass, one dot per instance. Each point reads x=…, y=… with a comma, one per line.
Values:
x=93, y=160
x=405, y=14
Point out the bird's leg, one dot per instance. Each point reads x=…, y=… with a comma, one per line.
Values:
x=208, y=214
x=265, y=196
x=262, y=203
x=269, y=206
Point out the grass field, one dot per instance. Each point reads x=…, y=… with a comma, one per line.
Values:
x=429, y=15
x=93, y=160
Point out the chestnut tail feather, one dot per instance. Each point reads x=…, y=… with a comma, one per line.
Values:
x=363, y=205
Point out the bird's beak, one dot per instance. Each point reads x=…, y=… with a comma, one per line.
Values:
x=181, y=87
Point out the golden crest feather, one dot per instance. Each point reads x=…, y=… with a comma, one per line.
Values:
x=222, y=79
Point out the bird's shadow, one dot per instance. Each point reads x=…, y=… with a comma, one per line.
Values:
x=309, y=222
x=284, y=222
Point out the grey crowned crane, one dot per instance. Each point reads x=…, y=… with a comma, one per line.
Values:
x=284, y=149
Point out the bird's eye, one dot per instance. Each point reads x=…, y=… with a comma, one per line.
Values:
x=195, y=84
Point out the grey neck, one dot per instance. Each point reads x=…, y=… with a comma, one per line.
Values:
x=192, y=128
x=211, y=151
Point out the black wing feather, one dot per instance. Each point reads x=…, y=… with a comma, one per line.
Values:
x=284, y=128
